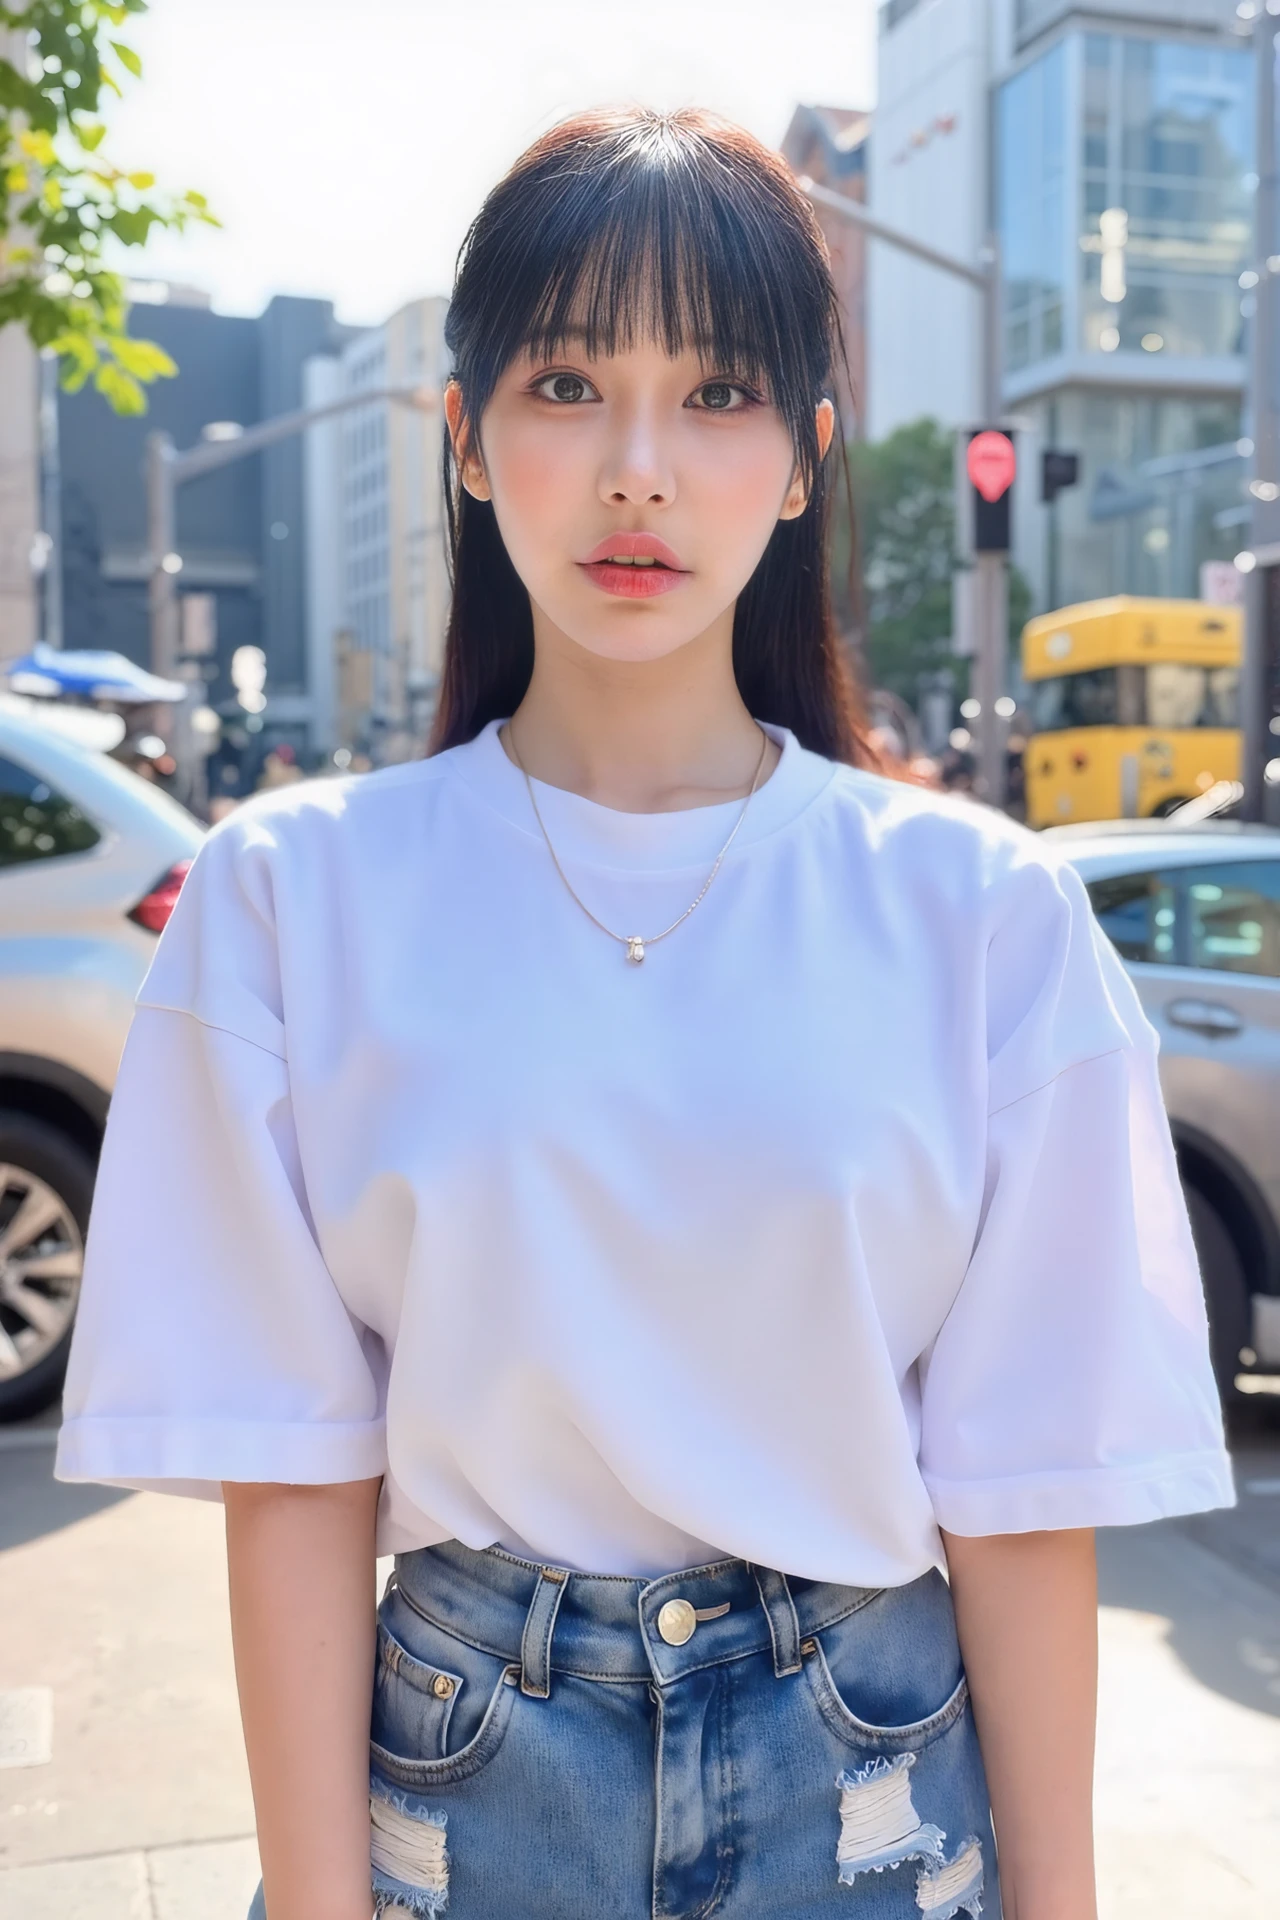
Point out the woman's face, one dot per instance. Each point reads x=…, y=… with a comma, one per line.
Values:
x=635, y=493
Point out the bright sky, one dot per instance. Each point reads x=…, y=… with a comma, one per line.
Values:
x=345, y=144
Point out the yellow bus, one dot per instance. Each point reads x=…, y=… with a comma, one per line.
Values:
x=1133, y=707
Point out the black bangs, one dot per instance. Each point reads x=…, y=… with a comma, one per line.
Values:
x=621, y=227
x=637, y=229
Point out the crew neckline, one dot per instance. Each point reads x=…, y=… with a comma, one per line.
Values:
x=590, y=834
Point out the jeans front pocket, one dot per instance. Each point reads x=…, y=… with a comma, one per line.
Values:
x=889, y=1676
x=440, y=1706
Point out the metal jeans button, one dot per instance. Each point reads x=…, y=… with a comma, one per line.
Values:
x=677, y=1622
x=442, y=1686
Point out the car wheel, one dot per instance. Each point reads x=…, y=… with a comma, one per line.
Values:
x=46, y=1185
x=1226, y=1291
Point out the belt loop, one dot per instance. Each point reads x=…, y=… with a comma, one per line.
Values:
x=539, y=1625
x=780, y=1612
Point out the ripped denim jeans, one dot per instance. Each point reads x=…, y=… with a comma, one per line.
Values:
x=722, y=1741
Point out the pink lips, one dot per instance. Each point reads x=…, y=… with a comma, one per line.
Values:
x=634, y=583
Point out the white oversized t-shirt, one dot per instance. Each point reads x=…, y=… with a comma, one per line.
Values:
x=850, y=1213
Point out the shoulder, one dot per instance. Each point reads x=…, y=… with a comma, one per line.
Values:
x=952, y=852
x=1004, y=907
x=309, y=831
x=327, y=809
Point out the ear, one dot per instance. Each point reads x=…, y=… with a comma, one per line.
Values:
x=797, y=499
x=470, y=466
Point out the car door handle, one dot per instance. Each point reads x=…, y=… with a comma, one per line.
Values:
x=1204, y=1016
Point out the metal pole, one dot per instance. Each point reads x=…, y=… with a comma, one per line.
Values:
x=162, y=592
x=213, y=454
x=881, y=230
x=1254, y=692
x=991, y=659
x=991, y=577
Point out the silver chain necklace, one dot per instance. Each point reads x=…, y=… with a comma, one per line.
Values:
x=636, y=943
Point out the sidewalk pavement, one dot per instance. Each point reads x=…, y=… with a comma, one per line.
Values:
x=117, y=1604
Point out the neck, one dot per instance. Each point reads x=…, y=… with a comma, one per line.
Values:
x=640, y=736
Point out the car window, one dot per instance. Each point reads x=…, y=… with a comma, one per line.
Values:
x=1138, y=914
x=37, y=823
x=1179, y=695
x=1232, y=915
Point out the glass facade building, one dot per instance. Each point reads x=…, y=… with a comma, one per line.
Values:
x=1035, y=203
x=1166, y=140
x=1124, y=206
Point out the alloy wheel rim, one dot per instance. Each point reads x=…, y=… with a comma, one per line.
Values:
x=41, y=1263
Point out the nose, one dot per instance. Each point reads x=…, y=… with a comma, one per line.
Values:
x=637, y=469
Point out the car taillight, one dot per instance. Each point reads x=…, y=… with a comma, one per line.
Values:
x=154, y=908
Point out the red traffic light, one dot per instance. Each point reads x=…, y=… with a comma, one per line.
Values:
x=991, y=463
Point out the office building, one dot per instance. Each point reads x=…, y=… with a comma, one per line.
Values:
x=378, y=584
x=829, y=146
x=1109, y=149
x=241, y=531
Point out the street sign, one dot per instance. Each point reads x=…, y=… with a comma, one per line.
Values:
x=1221, y=583
x=1058, y=469
x=199, y=624
x=991, y=463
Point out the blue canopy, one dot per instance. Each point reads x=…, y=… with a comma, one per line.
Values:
x=90, y=676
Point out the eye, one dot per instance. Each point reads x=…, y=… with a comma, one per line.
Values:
x=719, y=396
x=565, y=389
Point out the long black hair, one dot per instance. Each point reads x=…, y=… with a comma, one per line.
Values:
x=684, y=228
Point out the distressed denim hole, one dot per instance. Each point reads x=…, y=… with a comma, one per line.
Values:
x=879, y=1825
x=954, y=1885
x=409, y=1859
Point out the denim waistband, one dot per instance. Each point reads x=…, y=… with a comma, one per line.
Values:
x=549, y=1619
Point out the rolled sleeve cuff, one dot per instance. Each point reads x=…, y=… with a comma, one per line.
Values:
x=1098, y=1497
x=196, y=1456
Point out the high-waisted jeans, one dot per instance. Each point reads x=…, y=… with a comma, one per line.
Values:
x=722, y=1741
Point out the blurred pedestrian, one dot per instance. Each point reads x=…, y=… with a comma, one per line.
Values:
x=672, y=1185
x=279, y=768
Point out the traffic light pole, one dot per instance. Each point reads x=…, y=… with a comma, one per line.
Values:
x=991, y=571
x=991, y=578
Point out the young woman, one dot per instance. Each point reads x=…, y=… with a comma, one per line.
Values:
x=675, y=1188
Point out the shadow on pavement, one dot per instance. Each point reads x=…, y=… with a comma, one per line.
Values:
x=33, y=1503
x=1215, y=1577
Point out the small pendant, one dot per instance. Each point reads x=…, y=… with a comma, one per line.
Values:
x=635, y=949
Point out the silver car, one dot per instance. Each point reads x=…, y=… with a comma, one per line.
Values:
x=91, y=858
x=1194, y=912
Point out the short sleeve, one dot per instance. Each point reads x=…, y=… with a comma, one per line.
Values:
x=1070, y=1384
x=211, y=1342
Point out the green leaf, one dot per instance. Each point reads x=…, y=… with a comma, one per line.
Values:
x=38, y=147
x=76, y=345
x=51, y=194
x=119, y=389
x=132, y=224
x=143, y=358
x=142, y=181
x=92, y=136
x=127, y=58
x=194, y=199
x=16, y=179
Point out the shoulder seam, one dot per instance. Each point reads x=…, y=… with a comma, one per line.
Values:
x=211, y=1026
x=1088, y=1060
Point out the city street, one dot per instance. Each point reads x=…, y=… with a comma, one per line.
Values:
x=115, y=1604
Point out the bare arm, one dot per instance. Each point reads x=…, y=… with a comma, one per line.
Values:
x=302, y=1622
x=1027, y=1612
